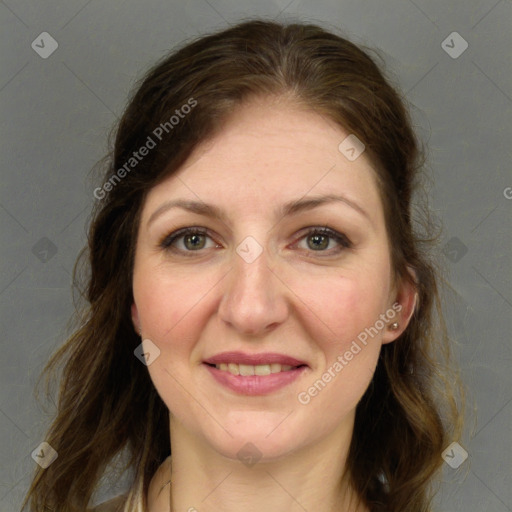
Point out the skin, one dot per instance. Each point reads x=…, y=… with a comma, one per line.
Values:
x=294, y=299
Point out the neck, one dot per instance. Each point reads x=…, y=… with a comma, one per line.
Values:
x=311, y=478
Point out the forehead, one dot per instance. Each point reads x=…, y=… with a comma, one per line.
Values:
x=271, y=152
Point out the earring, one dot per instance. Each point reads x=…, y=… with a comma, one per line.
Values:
x=394, y=326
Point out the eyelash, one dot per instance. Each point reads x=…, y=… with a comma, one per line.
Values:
x=340, y=238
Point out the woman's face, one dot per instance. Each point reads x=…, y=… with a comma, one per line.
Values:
x=260, y=279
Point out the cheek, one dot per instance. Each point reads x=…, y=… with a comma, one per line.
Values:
x=169, y=307
x=340, y=307
x=166, y=301
x=345, y=313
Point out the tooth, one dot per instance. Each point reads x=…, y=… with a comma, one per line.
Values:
x=262, y=369
x=246, y=369
x=233, y=368
x=275, y=368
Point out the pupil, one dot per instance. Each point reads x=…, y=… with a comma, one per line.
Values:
x=317, y=238
x=194, y=239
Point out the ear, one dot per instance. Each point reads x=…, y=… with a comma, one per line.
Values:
x=135, y=319
x=404, y=305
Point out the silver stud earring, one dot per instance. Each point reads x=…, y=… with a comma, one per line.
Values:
x=394, y=326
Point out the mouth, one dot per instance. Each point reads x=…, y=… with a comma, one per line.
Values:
x=247, y=370
x=254, y=374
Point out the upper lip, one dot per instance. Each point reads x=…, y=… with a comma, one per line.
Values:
x=253, y=359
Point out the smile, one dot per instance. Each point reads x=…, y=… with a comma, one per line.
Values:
x=246, y=369
x=250, y=380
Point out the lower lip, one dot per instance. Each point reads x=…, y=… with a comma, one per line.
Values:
x=255, y=384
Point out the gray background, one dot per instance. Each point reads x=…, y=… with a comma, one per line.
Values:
x=56, y=113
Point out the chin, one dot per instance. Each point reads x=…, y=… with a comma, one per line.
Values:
x=257, y=440
x=249, y=451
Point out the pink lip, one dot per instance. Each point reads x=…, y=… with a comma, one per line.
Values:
x=255, y=384
x=254, y=359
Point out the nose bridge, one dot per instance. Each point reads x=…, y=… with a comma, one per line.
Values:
x=253, y=299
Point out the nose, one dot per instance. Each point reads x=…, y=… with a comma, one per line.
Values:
x=254, y=298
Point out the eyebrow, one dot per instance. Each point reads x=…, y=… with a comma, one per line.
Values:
x=290, y=208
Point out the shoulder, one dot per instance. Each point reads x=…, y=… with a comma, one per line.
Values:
x=114, y=505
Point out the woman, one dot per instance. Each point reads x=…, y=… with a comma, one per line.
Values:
x=258, y=302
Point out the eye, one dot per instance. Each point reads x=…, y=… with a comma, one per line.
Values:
x=318, y=239
x=192, y=239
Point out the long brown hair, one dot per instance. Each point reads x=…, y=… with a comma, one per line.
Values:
x=108, y=404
